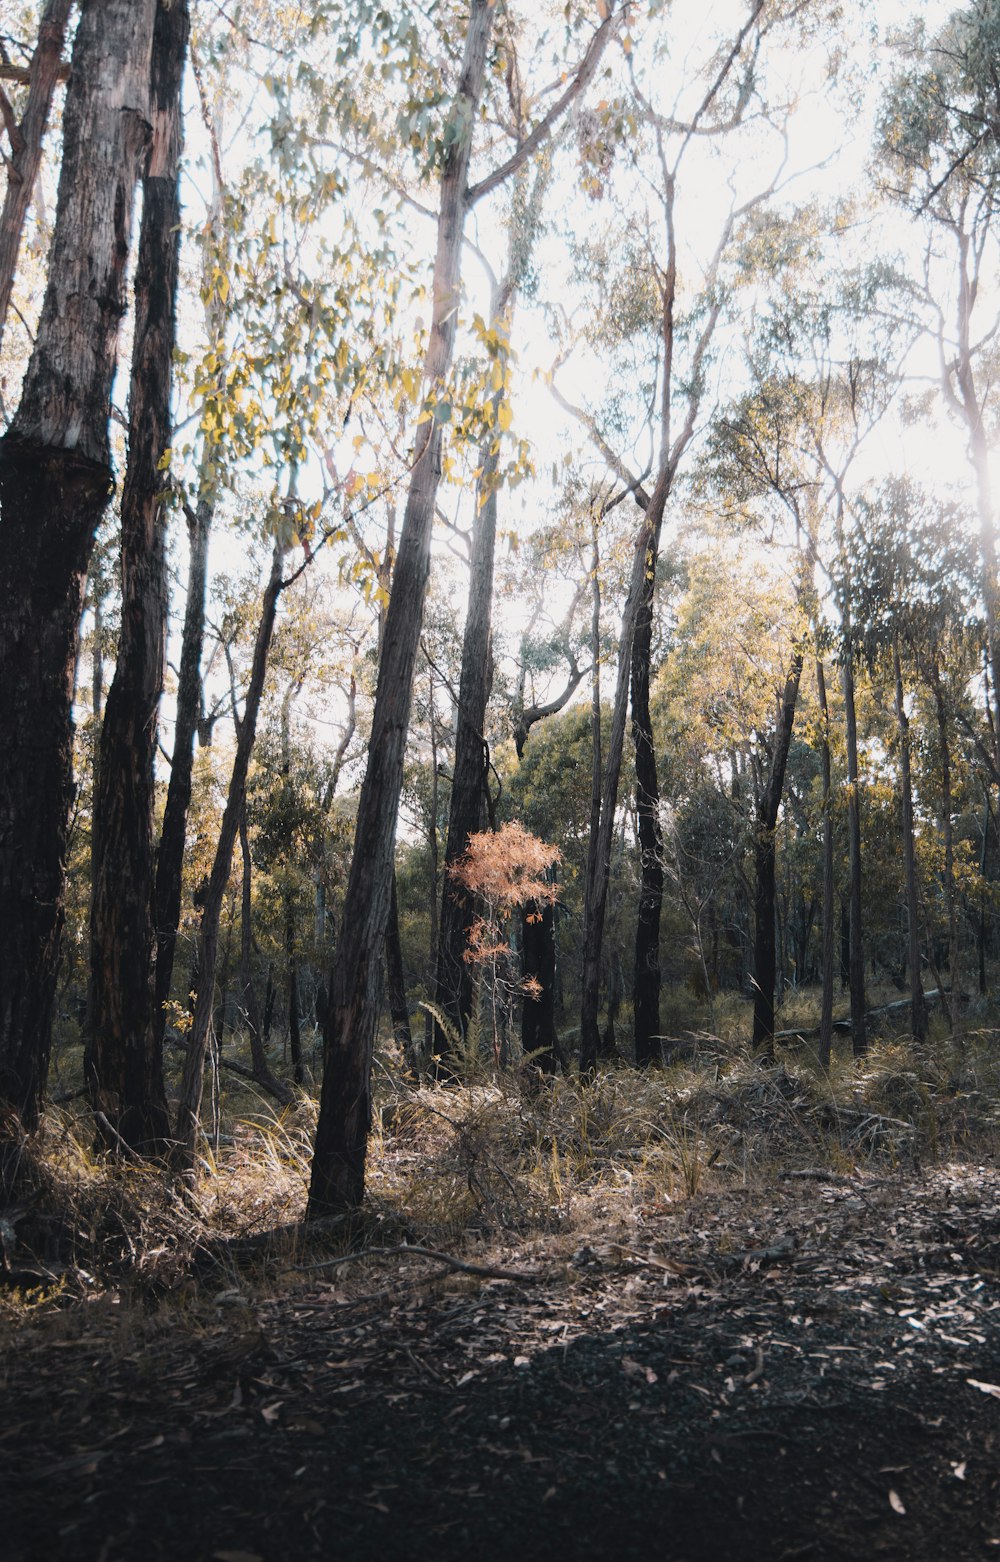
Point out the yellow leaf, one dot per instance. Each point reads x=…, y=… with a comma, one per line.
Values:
x=505, y=416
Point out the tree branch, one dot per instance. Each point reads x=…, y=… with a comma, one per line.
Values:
x=581, y=77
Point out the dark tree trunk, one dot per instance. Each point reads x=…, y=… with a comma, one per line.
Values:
x=856, y=951
x=396, y=988
x=338, y=1172
x=125, y=1049
x=55, y=482
x=453, y=985
x=646, y=982
x=918, y=1007
x=170, y=853
x=292, y=977
x=538, y=956
x=764, y=897
x=251, y=1010
x=189, y=1108
x=26, y=142
x=828, y=930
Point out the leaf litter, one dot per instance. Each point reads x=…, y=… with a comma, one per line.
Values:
x=742, y=1372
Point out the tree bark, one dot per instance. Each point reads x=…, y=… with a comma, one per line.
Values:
x=396, y=988
x=538, y=1011
x=189, y=1108
x=26, y=143
x=251, y=1010
x=599, y=851
x=125, y=1049
x=170, y=853
x=856, y=950
x=453, y=984
x=918, y=1008
x=55, y=482
x=646, y=982
x=828, y=930
x=764, y=895
x=338, y=1172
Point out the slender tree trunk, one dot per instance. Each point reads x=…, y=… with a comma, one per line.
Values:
x=591, y=970
x=453, y=984
x=291, y=951
x=764, y=898
x=856, y=951
x=918, y=1008
x=125, y=1054
x=55, y=481
x=828, y=929
x=189, y=1108
x=646, y=989
x=170, y=853
x=292, y=978
x=26, y=143
x=261, y=1071
x=338, y=1172
x=538, y=1013
x=947, y=829
x=396, y=986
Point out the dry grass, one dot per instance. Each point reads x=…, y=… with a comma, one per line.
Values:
x=493, y=1161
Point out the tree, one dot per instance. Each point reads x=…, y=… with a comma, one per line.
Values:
x=677, y=332
x=125, y=1063
x=26, y=136
x=937, y=146
x=337, y=1183
x=55, y=482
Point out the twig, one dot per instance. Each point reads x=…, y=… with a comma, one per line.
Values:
x=487, y=1271
x=758, y=1369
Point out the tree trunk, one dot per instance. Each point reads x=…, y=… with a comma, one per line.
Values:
x=170, y=853
x=125, y=1049
x=26, y=143
x=538, y=1013
x=189, y=1108
x=55, y=481
x=918, y=1008
x=251, y=1011
x=828, y=931
x=338, y=1172
x=948, y=832
x=764, y=896
x=599, y=849
x=856, y=951
x=453, y=985
x=396, y=986
x=646, y=988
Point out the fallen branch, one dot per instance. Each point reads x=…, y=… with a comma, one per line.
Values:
x=486, y=1271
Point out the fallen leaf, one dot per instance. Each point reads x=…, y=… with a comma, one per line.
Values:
x=896, y=1502
x=271, y=1412
x=958, y=1471
x=984, y=1388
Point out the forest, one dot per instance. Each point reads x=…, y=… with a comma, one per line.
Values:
x=499, y=778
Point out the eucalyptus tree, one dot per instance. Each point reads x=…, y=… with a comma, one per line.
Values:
x=661, y=320
x=914, y=567
x=938, y=157
x=337, y=1183
x=26, y=134
x=824, y=358
x=124, y=1047
x=55, y=483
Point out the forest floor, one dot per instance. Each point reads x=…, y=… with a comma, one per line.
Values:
x=737, y=1360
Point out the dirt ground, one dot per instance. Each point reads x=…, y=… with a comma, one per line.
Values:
x=812, y=1371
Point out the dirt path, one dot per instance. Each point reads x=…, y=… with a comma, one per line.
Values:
x=770, y=1376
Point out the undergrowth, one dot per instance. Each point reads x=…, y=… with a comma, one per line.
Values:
x=500, y=1161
